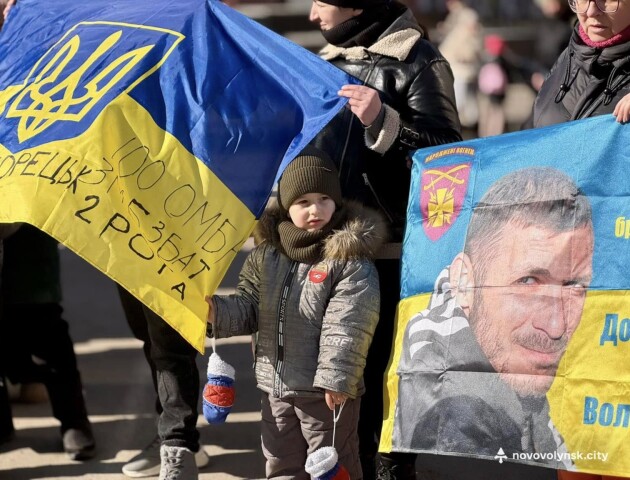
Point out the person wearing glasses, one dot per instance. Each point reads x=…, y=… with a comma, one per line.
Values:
x=592, y=75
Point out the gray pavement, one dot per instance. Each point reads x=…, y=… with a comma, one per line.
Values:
x=120, y=400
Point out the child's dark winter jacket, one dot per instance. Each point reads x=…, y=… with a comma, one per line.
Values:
x=314, y=321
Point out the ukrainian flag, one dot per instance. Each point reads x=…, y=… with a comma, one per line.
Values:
x=146, y=136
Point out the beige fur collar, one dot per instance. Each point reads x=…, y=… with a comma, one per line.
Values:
x=361, y=236
x=396, y=45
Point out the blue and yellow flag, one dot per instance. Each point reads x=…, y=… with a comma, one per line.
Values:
x=513, y=333
x=147, y=136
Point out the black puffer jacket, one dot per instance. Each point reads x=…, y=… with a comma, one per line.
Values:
x=584, y=82
x=416, y=85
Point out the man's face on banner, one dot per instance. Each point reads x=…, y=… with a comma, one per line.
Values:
x=530, y=302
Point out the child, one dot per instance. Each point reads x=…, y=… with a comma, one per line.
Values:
x=311, y=292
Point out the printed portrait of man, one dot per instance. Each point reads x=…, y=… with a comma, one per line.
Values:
x=477, y=363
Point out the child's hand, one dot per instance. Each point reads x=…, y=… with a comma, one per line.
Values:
x=622, y=109
x=212, y=314
x=334, y=398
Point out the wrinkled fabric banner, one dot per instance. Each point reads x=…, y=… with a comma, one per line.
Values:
x=513, y=330
x=147, y=136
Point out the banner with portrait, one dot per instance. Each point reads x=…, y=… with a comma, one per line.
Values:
x=513, y=331
x=147, y=136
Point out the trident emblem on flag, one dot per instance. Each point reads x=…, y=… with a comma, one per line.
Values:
x=91, y=64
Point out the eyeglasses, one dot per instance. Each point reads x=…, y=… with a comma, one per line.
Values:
x=606, y=6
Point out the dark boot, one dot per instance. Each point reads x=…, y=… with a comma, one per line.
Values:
x=7, y=432
x=396, y=466
x=368, y=466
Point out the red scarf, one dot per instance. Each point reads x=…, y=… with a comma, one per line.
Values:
x=621, y=37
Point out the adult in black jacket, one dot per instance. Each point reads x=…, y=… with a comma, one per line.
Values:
x=406, y=102
x=593, y=73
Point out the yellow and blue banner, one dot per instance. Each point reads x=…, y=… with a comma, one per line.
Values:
x=513, y=331
x=146, y=136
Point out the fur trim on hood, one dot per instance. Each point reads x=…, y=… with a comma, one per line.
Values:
x=361, y=236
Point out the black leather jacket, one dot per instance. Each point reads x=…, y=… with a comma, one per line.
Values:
x=416, y=83
x=584, y=82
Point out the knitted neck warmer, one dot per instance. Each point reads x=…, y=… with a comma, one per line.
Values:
x=303, y=246
x=363, y=30
x=621, y=37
